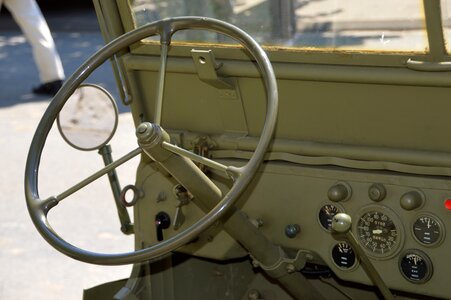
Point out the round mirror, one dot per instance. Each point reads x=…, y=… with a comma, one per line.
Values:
x=89, y=118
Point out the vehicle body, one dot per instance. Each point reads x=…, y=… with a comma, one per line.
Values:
x=360, y=133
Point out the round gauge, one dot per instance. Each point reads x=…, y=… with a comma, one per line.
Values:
x=415, y=266
x=378, y=232
x=343, y=256
x=325, y=215
x=427, y=230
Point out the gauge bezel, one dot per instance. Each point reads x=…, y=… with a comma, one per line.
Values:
x=351, y=268
x=340, y=208
x=439, y=222
x=396, y=221
x=425, y=257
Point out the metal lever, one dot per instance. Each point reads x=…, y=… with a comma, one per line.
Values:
x=184, y=196
x=341, y=223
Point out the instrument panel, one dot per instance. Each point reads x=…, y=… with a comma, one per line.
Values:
x=399, y=221
x=381, y=233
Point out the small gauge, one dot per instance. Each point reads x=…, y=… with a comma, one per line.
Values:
x=427, y=230
x=326, y=213
x=415, y=266
x=378, y=233
x=343, y=255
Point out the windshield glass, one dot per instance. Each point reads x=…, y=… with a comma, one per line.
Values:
x=383, y=25
x=446, y=18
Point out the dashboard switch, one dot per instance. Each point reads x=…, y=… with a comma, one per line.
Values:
x=377, y=192
x=340, y=191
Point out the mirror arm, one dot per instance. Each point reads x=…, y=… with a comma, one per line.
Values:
x=124, y=218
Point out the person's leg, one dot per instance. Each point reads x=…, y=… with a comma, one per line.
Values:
x=30, y=19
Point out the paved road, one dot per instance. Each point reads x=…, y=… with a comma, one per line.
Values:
x=29, y=267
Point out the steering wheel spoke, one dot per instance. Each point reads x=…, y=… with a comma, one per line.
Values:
x=97, y=175
x=165, y=41
x=161, y=81
x=195, y=157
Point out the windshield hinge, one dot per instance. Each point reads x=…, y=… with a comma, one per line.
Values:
x=428, y=66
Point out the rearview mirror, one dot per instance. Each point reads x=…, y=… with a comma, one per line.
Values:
x=89, y=118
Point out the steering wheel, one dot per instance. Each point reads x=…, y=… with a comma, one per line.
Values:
x=39, y=208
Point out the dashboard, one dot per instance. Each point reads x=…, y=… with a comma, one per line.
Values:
x=400, y=221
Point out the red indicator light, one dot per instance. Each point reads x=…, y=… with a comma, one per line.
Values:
x=448, y=204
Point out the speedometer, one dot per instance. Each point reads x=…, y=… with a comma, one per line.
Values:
x=379, y=232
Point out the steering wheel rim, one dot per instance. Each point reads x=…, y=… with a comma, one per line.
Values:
x=39, y=208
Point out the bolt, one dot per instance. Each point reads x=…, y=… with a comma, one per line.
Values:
x=142, y=128
x=161, y=197
x=291, y=268
x=253, y=295
x=255, y=264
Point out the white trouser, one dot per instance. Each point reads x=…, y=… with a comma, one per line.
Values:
x=30, y=19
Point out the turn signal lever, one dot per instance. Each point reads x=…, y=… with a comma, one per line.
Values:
x=341, y=224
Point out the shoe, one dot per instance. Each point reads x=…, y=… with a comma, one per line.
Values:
x=48, y=88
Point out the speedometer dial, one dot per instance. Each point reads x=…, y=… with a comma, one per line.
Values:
x=378, y=233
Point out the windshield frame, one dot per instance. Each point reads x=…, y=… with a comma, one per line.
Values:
x=434, y=32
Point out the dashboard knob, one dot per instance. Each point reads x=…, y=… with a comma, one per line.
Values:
x=341, y=223
x=412, y=200
x=339, y=192
x=292, y=230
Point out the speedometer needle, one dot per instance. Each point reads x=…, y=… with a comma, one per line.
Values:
x=377, y=231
